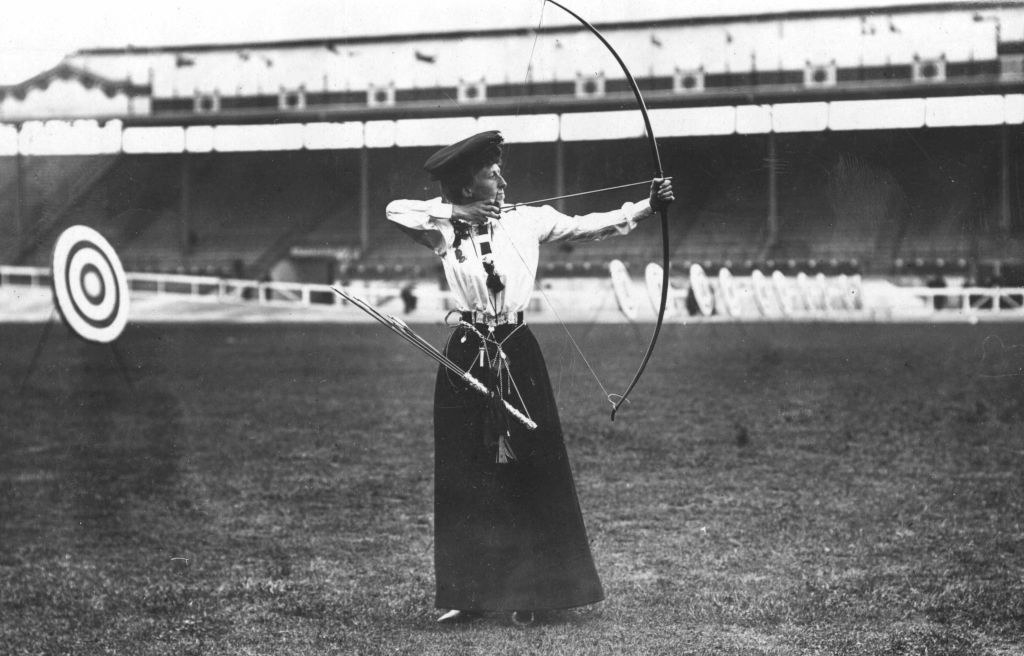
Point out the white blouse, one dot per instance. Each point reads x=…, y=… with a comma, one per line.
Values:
x=515, y=242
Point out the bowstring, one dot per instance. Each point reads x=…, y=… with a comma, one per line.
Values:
x=529, y=62
x=558, y=317
x=528, y=75
x=572, y=340
x=512, y=206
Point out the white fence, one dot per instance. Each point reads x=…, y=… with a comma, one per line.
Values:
x=576, y=299
x=225, y=289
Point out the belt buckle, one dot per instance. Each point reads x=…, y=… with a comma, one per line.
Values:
x=483, y=318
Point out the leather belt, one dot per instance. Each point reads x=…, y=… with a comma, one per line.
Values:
x=491, y=320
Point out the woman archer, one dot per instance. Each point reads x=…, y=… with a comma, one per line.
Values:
x=509, y=533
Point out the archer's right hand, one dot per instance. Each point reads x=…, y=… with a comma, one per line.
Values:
x=477, y=213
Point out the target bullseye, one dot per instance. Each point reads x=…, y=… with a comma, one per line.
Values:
x=89, y=285
x=92, y=284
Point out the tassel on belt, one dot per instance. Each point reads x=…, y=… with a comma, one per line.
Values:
x=498, y=379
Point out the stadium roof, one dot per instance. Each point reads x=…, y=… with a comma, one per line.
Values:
x=66, y=71
x=752, y=17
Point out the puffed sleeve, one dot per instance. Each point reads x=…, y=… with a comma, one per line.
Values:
x=554, y=226
x=426, y=221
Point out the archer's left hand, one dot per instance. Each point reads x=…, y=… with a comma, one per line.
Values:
x=661, y=193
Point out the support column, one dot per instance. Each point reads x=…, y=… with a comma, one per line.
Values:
x=19, y=201
x=772, y=220
x=1005, y=218
x=364, y=199
x=560, y=173
x=185, y=205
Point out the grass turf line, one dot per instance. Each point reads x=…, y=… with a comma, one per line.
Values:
x=267, y=489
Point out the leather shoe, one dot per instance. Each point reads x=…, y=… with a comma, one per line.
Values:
x=457, y=616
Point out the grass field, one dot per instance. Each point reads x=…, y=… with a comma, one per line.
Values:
x=771, y=489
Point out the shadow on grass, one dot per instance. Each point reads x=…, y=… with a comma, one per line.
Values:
x=85, y=440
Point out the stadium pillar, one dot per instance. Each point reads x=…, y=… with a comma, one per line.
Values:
x=185, y=202
x=364, y=198
x=19, y=200
x=560, y=173
x=773, y=194
x=1005, y=220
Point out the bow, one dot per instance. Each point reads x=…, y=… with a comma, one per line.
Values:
x=656, y=156
x=403, y=330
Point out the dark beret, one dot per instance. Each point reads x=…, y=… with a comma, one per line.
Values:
x=451, y=158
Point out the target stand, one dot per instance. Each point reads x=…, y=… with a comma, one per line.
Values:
x=90, y=291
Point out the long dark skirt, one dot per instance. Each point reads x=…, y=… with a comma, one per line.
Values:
x=507, y=536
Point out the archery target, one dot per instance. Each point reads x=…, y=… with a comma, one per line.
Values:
x=730, y=293
x=820, y=292
x=764, y=295
x=623, y=288
x=805, y=290
x=653, y=276
x=89, y=285
x=836, y=293
x=783, y=296
x=701, y=288
x=855, y=293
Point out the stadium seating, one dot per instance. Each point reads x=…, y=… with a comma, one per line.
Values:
x=868, y=197
x=8, y=208
x=242, y=206
x=53, y=193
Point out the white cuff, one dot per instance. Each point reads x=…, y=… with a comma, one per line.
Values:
x=637, y=211
x=439, y=209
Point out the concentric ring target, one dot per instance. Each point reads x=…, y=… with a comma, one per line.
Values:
x=805, y=291
x=820, y=292
x=623, y=288
x=855, y=295
x=783, y=293
x=764, y=294
x=89, y=285
x=836, y=293
x=701, y=288
x=653, y=275
x=730, y=293
x=652, y=278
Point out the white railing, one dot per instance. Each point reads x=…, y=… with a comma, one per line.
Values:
x=882, y=300
x=970, y=299
x=23, y=275
x=212, y=287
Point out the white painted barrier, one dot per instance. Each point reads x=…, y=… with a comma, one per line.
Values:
x=575, y=299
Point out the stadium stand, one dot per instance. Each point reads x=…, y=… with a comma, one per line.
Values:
x=791, y=192
x=50, y=188
x=243, y=206
x=9, y=229
x=872, y=197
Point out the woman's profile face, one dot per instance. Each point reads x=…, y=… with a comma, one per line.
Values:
x=487, y=184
